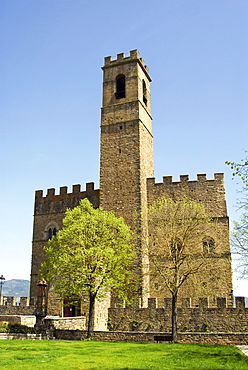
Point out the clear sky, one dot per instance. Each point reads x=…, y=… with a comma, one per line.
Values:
x=50, y=96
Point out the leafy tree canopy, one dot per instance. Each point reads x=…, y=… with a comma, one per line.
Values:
x=240, y=169
x=90, y=255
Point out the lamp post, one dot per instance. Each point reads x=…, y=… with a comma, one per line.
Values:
x=1, y=286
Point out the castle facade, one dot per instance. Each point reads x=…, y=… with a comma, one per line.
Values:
x=127, y=185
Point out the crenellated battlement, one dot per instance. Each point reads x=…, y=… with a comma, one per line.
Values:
x=15, y=306
x=122, y=58
x=192, y=318
x=221, y=302
x=14, y=301
x=53, y=202
x=211, y=192
x=64, y=190
x=218, y=177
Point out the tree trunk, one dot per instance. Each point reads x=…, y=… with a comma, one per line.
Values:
x=174, y=317
x=91, y=315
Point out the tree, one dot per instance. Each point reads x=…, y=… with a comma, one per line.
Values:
x=176, y=233
x=239, y=237
x=89, y=256
x=240, y=169
x=239, y=242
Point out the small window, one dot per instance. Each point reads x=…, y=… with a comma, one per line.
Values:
x=51, y=229
x=120, y=87
x=208, y=245
x=144, y=93
x=51, y=232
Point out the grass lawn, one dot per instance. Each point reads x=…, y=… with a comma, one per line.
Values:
x=75, y=355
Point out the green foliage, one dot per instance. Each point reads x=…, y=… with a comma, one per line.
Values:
x=239, y=239
x=92, y=355
x=7, y=327
x=136, y=324
x=91, y=253
x=240, y=169
x=18, y=328
x=239, y=236
x=3, y=327
x=90, y=256
x=205, y=327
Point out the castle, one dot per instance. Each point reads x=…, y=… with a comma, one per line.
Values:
x=127, y=185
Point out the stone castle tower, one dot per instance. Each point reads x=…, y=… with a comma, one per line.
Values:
x=126, y=143
x=126, y=179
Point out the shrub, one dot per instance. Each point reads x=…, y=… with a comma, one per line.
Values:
x=17, y=328
x=3, y=327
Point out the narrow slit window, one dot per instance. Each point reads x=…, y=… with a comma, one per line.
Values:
x=50, y=233
x=120, y=87
x=144, y=93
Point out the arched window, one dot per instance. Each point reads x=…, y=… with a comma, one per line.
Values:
x=51, y=232
x=208, y=245
x=144, y=92
x=51, y=229
x=120, y=87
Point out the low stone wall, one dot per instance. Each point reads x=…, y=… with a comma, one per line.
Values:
x=201, y=338
x=71, y=323
x=191, y=319
x=17, y=319
x=16, y=336
x=9, y=306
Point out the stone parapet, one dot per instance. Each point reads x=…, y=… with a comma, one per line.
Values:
x=122, y=58
x=194, y=319
x=27, y=320
x=210, y=191
x=72, y=323
x=9, y=306
x=53, y=202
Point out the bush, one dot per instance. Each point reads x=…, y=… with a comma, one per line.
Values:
x=3, y=327
x=7, y=327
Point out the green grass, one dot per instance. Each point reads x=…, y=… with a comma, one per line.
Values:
x=93, y=355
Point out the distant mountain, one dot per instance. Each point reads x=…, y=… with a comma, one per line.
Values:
x=16, y=288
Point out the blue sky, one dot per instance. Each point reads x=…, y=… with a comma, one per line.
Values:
x=50, y=96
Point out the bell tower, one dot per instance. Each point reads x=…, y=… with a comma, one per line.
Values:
x=126, y=142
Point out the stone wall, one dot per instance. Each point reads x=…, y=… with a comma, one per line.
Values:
x=10, y=307
x=49, y=212
x=19, y=319
x=216, y=273
x=201, y=338
x=71, y=323
x=127, y=148
x=201, y=318
x=16, y=336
